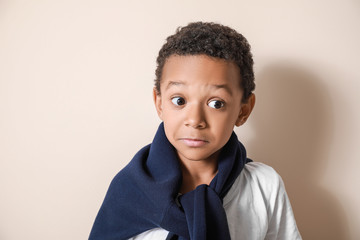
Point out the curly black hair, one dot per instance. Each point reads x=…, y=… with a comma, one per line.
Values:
x=214, y=40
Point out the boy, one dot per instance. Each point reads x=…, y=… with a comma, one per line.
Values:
x=194, y=181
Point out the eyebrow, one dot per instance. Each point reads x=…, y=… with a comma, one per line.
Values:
x=173, y=83
x=217, y=86
x=225, y=87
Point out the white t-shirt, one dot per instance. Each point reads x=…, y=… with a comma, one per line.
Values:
x=257, y=207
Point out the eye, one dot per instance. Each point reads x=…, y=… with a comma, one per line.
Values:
x=217, y=104
x=178, y=101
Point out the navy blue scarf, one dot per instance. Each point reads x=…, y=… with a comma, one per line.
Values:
x=143, y=195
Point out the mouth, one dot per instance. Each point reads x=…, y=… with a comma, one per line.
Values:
x=194, y=142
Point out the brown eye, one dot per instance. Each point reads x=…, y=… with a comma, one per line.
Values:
x=178, y=101
x=216, y=104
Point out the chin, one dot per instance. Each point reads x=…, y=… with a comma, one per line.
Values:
x=196, y=155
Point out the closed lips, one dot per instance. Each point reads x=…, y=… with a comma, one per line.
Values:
x=193, y=142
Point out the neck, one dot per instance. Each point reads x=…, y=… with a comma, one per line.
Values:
x=198, y=172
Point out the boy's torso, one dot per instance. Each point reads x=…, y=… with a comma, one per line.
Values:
x=256, y=206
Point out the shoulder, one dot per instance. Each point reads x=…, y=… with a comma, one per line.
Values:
x=258, y=198
x=258, y=170
x=257, y=181
x=262, y=175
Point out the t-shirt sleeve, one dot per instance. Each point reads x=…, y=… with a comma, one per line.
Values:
x=281, y=220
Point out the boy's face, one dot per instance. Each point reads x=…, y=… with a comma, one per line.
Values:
x=200, y=103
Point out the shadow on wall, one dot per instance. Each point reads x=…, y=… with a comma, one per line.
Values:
x=293, y=128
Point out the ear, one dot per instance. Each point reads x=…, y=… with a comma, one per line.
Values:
x=157, y=102
x=245, y=110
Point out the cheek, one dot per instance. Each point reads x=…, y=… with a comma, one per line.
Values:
x=225, y=119
x=234, y=115
x=171, y=122
x=170, y=117
x=224, y=125
x=221, y=123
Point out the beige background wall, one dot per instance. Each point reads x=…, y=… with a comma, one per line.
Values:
x=76, y=104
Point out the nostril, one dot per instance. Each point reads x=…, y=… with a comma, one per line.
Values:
x=198, y=124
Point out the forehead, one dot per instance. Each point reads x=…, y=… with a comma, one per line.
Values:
x=200, y=69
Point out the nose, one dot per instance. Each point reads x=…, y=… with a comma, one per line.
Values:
x=195, y=116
